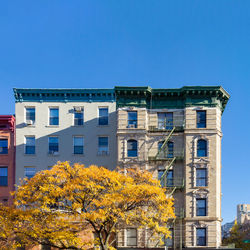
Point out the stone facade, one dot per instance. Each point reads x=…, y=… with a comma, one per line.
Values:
x=243, y=213
x=184, y=163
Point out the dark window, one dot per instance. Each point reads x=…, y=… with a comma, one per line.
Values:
x=3, y=176
x=30, y=115
x=29, y=172
x=201, y=177
x=53, y=145
x=131, y=237
x=201, y=236
x=160, y=174
x=103, y=145
x=201, y=148
x=169, y=242
x=201, y=207
x=3, y=146
x=201, y=119
x=170, y=178
x=53, y=116
x=165, y=120
x=30, y=147
x=78, y=117
x=78, y=145
x=132, y=148
x=132, y=119
x=170, y=149
x=103, y=116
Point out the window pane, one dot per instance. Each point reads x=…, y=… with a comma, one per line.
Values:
x=103, y=116
x=53, y=145
x=170, y=149
x=132, y=148
x=3, y=176
x=78, y=118
x=78, y=145
x=201, y=119
x=201, y=177
x=202, y=148
x=132, y=119
x=165, y=120
x=54, y=116
x=103, y=144
x=30, y=114
x=201, y=236
x=131, y=237
x=29, y=172
x=30, y=145
x=170, y=178
x=3, y=146
x=160, y=174
x=200, y=207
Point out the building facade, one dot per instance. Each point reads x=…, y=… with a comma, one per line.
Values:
x=176, y=135
x=173, y=133
x=75, y=125
x=7, y=158
x=243, y=213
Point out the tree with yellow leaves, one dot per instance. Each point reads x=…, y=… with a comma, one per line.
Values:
x=75, y=198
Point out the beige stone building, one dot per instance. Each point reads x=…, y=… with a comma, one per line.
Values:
x=176, y=134
x=243, y=213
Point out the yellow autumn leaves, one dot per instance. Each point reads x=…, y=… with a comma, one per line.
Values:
x=56, y=207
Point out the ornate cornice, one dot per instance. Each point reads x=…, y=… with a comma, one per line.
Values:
x=64, y=95
x=187, y=96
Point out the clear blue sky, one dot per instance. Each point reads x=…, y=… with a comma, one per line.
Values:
x=164, y=44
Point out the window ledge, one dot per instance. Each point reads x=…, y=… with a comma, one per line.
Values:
x=106, y=125
x=53, y=155
x=81, y=155
x=29, y=154
x=77, y=126
x=52, y=126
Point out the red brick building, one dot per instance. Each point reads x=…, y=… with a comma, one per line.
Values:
x=7, y=157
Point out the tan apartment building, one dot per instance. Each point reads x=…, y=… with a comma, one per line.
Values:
x=243, y=213
x=176, y=134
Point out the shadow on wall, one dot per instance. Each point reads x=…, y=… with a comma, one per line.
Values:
x=95, y=149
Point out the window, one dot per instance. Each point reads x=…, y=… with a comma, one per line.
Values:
x=103, y=116
x=3, y=146
x=201, y=119
x=165, y=120
x=78, y=116
x=201, y=207
x=30, y=116
x=201, y=177
x=132, y=148
x=170, y=178
x=160, y=178
x=30, y=147
x=29, y=172
x=201, y=236
x=103, y=145
x=3, y=176
x=131, y=237
x=132, y=119
x=170, y=149
x=201, y=148
x=169, y=241
x=53, y=145
x=78, y=144
x=53, y=116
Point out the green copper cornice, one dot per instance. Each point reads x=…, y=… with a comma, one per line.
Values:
x=187, y=96
x=64, y=95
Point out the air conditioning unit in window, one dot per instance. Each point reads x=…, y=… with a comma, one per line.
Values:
x=78, y=109
x=29, y=122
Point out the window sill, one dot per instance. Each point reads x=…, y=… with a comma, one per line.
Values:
x=4, y=154
x=78, y=154
x=53, y=155
x=77, y=126
x=29, y=154
x=103, y=153
x=52, y=126
x=30, y=126
x=106, y=125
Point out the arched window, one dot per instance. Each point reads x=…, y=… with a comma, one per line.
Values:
x=132, y=148
x=201, y=148
x=168, y=150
